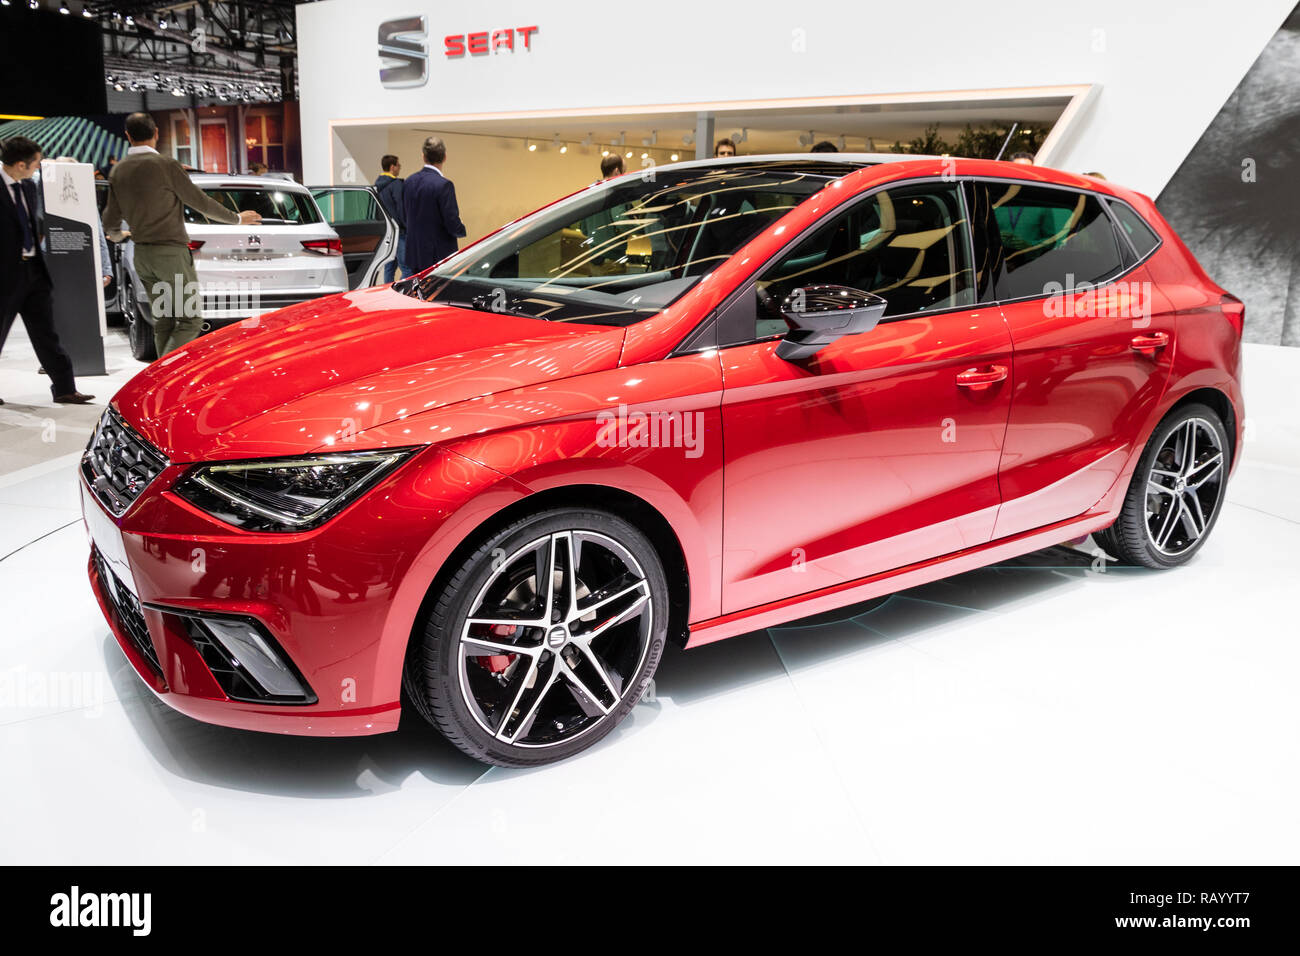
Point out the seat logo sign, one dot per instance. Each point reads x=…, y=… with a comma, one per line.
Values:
x=403, y=52
x=404, y=48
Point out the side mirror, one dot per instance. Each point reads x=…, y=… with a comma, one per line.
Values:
x=820, y=314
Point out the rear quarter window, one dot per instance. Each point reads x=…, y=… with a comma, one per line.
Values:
x=1142, y=236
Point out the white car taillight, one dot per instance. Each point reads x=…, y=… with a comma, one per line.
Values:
x=324, y=247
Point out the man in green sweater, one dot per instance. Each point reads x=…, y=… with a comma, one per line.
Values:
x=148, y=190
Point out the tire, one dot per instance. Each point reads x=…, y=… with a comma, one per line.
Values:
x=138, y=329
x=1172, y=504
x=550, y=690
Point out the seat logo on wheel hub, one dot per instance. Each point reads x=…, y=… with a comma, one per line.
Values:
x=557, y=636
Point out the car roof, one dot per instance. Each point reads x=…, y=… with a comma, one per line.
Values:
x=245, y=182
x=831, y=165
x=891, y=165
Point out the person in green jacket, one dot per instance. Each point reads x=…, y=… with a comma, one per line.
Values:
x=148, y=191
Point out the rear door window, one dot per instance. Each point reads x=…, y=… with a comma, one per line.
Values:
x=348, y=205
x=1052, y=240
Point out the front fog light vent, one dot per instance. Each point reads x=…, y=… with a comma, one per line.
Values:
x=246, y=662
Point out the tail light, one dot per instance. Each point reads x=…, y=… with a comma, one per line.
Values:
x=1235, y=311
x=324, y=247
x=195, y=245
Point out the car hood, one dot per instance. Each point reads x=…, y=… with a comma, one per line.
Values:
x=317, y=375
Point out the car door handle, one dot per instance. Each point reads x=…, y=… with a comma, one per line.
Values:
x=1148, y=344
x=982, y=377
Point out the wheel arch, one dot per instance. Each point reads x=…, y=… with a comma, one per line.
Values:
x=616, y=501
x=1218, y=397
x=1217, y=400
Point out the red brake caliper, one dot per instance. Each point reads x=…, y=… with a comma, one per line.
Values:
x=497, y=663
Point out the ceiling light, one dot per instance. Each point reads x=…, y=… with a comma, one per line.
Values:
x=162, y=24
x=564, y=149
x=63, y=8
x=604, y=152
x=629, y=154
x=673, y=157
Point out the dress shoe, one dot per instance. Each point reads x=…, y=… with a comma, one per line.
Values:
x=76, y=398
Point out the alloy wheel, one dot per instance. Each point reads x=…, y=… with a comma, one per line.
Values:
x=1184, y=487
x=555, y=638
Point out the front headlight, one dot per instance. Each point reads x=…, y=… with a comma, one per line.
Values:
x=286, y=494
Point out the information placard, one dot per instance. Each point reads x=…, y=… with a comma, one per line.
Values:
x=72, y=254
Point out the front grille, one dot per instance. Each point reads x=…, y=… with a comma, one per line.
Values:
x=129, y=613
x=118, y=464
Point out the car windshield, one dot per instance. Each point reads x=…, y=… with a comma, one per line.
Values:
x=621, y=251
x=277, y=206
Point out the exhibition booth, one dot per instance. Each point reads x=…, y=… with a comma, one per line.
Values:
x=525, y=81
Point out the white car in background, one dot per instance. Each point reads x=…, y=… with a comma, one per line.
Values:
x=310, y=243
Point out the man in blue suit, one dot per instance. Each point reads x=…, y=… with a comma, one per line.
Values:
x=432, y=217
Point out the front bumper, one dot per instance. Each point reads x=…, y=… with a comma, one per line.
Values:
x=338, y=602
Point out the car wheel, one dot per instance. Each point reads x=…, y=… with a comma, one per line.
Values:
x=138, y=330
x=543, y=639
x=1176, y=493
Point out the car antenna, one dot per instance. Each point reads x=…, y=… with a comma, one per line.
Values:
x=1007, y=142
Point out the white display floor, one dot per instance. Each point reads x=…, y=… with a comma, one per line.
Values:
x=1037, y=712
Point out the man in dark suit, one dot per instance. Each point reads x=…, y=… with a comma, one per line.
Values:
x=432, y=217
x=25, y=286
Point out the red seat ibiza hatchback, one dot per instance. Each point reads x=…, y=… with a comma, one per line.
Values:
x=677, y=406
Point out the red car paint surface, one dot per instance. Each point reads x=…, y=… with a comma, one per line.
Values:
x=818, y=484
